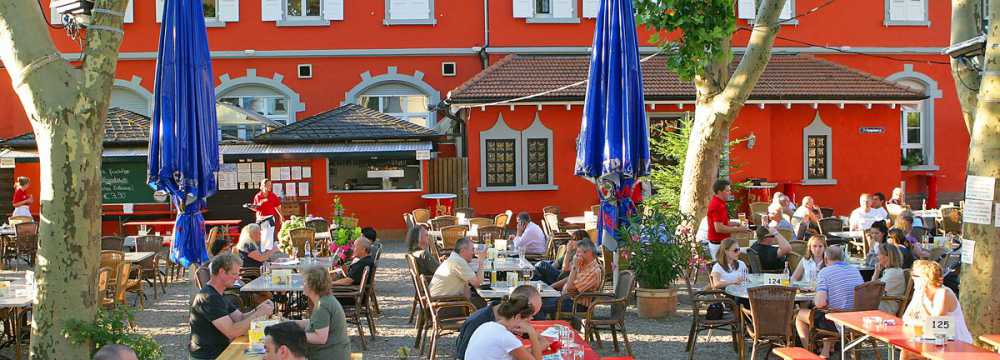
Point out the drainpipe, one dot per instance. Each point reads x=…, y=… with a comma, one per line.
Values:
x=486, y=35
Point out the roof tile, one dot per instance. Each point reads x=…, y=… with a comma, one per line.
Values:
x=348, y=122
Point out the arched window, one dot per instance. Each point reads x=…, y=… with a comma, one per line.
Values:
x=261, y=99
x=400, y=100
x=128, y=99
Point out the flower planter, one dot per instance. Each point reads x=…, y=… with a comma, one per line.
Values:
x=656, y=303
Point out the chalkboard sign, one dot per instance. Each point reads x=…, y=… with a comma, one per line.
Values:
x=125, y=183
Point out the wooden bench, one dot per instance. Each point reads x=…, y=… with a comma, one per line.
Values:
x=795, y=353
x=992, y=340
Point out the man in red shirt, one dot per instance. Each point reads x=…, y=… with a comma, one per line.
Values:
x=266, y=204
x=22, y=200
x=719, y=225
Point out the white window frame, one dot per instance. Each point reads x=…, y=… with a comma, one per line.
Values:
x=500, y=131
x=430, y=20
x=550, y=18
x=888, y=16
x=400, y=115
x=323, y=19
x=742, y=9
x=215, y=21
x=905, y=143
x=330, y=190
x=817, y=128
x=242, y=130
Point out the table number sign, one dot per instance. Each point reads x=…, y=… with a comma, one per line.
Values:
x=774, y=279
x=939, y=325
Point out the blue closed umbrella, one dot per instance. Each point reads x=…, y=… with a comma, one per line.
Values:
x=613, y=147
x=183, y=139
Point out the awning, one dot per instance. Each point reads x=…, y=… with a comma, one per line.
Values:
x=260, y=149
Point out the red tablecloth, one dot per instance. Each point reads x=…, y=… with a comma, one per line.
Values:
x=588, y=352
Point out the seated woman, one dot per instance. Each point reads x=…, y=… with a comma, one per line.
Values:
x=249, y=247
x=326, y=328
x=876, y=236
x=501, y=340
x=813, y=260
x=729, y=270
x=905, y=223
x=889, y=272
x=931, y=298
x=217, y=243
x=898, y=239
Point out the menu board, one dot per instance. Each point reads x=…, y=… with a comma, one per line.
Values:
x=125, y=183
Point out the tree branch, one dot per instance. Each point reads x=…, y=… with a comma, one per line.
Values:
x=965, y=19
x=755, y=58
x=32, y=60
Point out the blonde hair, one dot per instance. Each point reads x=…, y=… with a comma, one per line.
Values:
x=22, y=181
x=317, y=280
x=245, y=234
x=813, y=239
x=722, y=255
x=891, y=252
x=929, y=270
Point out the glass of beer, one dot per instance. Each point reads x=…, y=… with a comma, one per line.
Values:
x=743, y=218
x=256, y=333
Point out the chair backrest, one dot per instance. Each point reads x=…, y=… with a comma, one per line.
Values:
x=798, y=246
x=150, y=243
x=115, y=261
x=907, y=292
x=480, y=222
x=103, y=276
x=867, y=296
x=490, y=231
x=754, y=261
x=421, y=215
x=27, y=236
x=793, y=259
x=607, y=256
x=829, y=224
x=112, y=243
x=743, y=238
x=408, y=220
x=951, y=220
x=596, y=209
x=450, y=236
x=626, y=283
x=318, y=225
x=918, y=232
x=201, y=276
x=759, y=207
x=411, y=263
x=772, y=307
x=826, y=212
x=376, y=250
x=302, y=239
x=501, y=220
x=14, y=220
x=551, y=209
x=552, y=222
x=469, y=212
x=787, y=234
x=442, y=221
x=248, y=274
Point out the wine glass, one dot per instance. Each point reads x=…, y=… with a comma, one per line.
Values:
x=295, y=252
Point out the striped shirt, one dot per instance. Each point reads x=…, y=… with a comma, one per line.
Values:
x=588, y=278
x=838, y=282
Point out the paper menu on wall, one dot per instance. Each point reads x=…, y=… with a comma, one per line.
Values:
x=276, y=173
x=257, y=167
x=243, y=167
x=296, y=172
x=968, y=250
x=306, y=172
x=286, y=173
x=257, y=177
x=979, y=187
x=977, y=211
x=291, y=189
x=303, y=189
x=278, y=189
x=227, y=181
x=244, y=177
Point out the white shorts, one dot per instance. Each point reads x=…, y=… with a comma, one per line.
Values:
x=712, y=249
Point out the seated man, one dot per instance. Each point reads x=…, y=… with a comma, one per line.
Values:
x=115, y=352
x=215, y=321
x=362, y=259
x=427, y=263
x=835, y=285
x=772, y=258
x=549, y=271
x=584, y=276
x=776, y=219
x=369, y=233
x=455, y=274
x=529, y=236
x=284, y=341
x=488, y=314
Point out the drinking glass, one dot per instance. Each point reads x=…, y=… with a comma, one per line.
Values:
x=295, y=252
x=566, y=337
x=526, y=275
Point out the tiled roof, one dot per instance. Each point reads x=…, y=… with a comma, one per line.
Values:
x=121, y=127
x=348, y=122
x=787, y=77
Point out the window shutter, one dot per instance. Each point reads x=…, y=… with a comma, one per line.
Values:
x=562, y=8
x=333, y=9
x=590, y=8
x=786, y=12
x=899, y=10
x=129, y=12
x=270, y=10
x=409, y=9
x=229, y=10
x=916, y=10
x=747, y=9
x=159, y=10
x=522, y=8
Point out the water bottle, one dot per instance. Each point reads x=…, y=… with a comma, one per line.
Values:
x=786, y=276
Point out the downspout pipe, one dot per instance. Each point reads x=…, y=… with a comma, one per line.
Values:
x=483, y=57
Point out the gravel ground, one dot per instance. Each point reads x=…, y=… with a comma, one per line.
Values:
x=165, y=318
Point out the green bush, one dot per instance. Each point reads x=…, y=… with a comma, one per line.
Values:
x=111, y=327
x=660, y=246
x=284, y=236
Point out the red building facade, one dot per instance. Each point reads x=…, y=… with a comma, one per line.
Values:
x=296, y=58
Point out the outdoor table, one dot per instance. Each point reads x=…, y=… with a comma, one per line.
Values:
x=856, y=234
x=439, y=204
x=166, y=240
x=504, y=264
x=792, y=353
x=302, y=263
x=7, y=231
x=134, y=257
x=590, y=223
x=541, y=325
x=263, y=283
x=896, y=336
x=16, y=304
x=740, y=291
x=503, y=289
x=928, y=213
x=993, y=340
x=237, y=350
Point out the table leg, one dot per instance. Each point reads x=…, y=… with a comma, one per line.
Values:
x=16, y=326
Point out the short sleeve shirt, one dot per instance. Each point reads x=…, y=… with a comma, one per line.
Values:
x=452, y=277
x=266, y=205
x=492, y=341
x=838, y=282
x=588, y=278
x=329, y=314
x=357, y=269
x=207, y=342
x=245, y=250
x=717, y=212
x=769, y=259
x=732, y=274
x=20, y=195
x=470, y=326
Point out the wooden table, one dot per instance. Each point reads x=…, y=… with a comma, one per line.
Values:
x=500, y=292
x=134, y=257
x=856, y=234
x=588, y=352
x=993, y=340
x=899, y=337
x=16, y=303
x=237, y=350
x=794, y=353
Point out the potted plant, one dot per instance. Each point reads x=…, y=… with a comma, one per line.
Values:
x=660, y=247
x=284, y=235
x=111, y=327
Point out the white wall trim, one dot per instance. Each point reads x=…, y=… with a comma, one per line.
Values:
x=227, y=84
x=925, y=22
x=392, y=76
x=135, y=85
x=537, y=130
x=499, y=131
x=933, y=93
x=817, y=128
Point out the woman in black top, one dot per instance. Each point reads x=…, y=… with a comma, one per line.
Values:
x=249, y=247
x=898, y=238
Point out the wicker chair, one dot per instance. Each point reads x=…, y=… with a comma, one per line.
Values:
x=753, y=261
x=357, y=308
x=771, y=315
x=743, y=238
x=104, y=295
x=112, y=243
x=904, y=300
x=442, y=221
x=450, y=236
x=201, y=276
x=26, y=241
x=490, y=232
x=481, y=222
x=434, y=315
x=614, y=320
x=826, y=212
x=596, y=209
x=918, y=232
x=551, y=209
x=469, y=212
x=787, y=234
x=730, y=321
x=376, y=251
x=149, y=269
x=758, y=208
x=951, y=220
x=421, y=216
x=302, y=239
x=503, y=219
x=866, y=297
x=115, y=260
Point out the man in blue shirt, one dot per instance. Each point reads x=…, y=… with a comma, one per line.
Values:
x=488, y=314
x=835, y=285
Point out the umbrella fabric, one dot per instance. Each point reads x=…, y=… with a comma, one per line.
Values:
x=183, y=139
x=613, y=147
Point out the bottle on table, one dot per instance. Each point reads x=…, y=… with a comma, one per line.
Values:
x=786, y=277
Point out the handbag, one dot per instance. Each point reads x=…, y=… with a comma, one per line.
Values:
x=715, y=311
